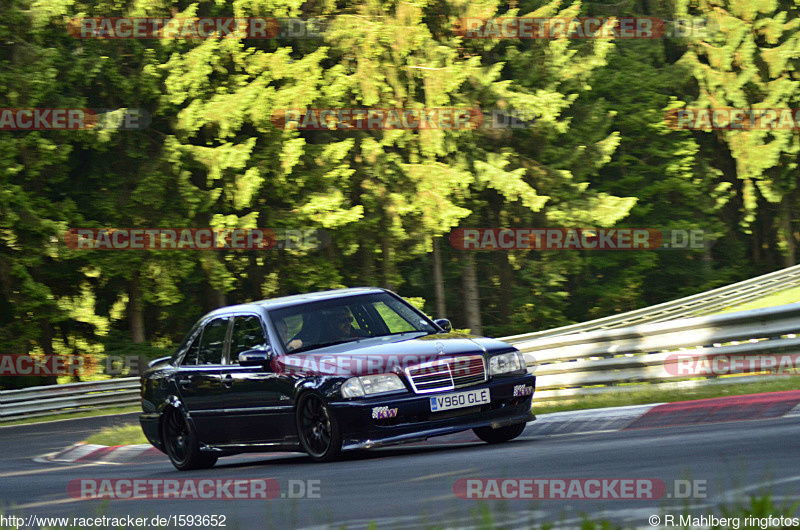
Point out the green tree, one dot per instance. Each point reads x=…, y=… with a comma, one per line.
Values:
x=749, y=60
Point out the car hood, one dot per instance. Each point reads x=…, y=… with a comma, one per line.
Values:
x=386, y=354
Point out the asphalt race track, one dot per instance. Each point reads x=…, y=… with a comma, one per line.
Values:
x=413, y=486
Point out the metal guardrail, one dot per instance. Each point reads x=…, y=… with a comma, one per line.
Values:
x=599, y=361
x=695, y=305
x=73, y=397
x=582, y=359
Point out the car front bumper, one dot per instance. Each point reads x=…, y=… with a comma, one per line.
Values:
x=407, y=417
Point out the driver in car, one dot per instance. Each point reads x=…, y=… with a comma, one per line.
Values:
x=341, y=325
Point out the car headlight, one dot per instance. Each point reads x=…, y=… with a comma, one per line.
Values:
x=507, y=363
x=352, y=388
x=368, y=385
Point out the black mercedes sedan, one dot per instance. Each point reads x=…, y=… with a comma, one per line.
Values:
x=325, y=372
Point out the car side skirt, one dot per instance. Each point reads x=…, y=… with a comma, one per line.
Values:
x=422, y=435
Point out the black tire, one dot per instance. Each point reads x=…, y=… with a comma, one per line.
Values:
x=180, y=443
x=503, y=434
x=318, y=429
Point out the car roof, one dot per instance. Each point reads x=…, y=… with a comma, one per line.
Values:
x=283, y=301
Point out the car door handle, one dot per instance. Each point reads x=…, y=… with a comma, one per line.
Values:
x=227, y=381
x=187, y=381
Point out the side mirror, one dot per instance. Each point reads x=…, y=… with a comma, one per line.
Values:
x=154, y=362
x=255, y=357
x=444, y=324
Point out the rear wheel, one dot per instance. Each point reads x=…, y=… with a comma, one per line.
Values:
x=317, y=429
x=181, y=445
x=503, y=434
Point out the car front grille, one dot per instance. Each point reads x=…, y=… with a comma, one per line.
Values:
x=446, y=374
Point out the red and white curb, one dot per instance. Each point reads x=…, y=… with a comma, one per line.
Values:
x=101, y=454
x=587, y=420
x=681, y=413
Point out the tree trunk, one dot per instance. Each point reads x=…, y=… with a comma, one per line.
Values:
x=217, y=296
x=47, y=346
x=387, y=262
x=135, y=310
x=756, y=248
x=472, y=303
x=785, y=232
x=506, y=287
x=438, y=280
x=220, y=300
x=367, y=263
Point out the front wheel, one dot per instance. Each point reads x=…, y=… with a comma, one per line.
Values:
x=503, y=434
x=181, y=445
x=317, y=429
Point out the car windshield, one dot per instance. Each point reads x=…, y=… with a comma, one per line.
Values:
x=314, y=325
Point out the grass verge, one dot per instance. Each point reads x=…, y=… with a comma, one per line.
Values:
x=124, y=435
x=653, y=395
x=787, y=296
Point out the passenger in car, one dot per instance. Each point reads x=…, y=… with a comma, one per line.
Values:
x=283, y=332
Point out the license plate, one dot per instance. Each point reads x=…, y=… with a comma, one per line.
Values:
x=458, y=400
